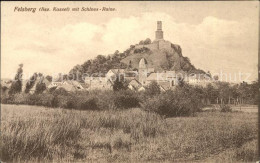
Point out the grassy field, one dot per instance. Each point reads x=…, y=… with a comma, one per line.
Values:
x=31, y=133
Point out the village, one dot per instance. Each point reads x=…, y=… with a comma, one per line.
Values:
x=136, y=80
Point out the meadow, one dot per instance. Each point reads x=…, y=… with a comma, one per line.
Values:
x=41, y=134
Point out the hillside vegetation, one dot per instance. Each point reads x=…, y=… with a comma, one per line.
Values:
x=163, y=59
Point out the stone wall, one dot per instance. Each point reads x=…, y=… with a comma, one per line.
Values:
x=152, y=46
x=164, y=44
x=159, y=44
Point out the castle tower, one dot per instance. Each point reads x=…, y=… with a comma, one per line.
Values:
x=159, y=32
x=142, y=71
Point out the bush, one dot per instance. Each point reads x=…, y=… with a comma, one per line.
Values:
x=47, y=99
x=6, y=99
x=183, y=101
x=89, y=104
x=106, y=100
x=60, y=91
x=142, y=50
x=153, y=89
x=40, y=87
x=21, y=98
x=3, y=89
x=33, y=99
x=147, y=41
x=65, y=101
x=225, y=108
x=126, y=100
x=52, y=89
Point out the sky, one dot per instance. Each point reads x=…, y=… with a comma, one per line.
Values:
x=220, y=37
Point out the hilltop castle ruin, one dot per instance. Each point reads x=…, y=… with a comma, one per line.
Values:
x=159, y=42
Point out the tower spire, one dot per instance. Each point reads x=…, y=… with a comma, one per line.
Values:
x=159, y=32
x=159, y=25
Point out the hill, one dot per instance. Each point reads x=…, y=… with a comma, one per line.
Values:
x=161, y=55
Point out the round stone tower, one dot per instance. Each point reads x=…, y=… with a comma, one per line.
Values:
x=159, y=32
x=143, y=71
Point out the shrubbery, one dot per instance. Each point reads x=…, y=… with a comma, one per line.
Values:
x=5, y=99
x=225, y=108
x=88, y=104
x=183, y=101
x=126, y=100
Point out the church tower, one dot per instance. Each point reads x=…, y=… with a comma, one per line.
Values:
x=159, y=32
x=142, y=71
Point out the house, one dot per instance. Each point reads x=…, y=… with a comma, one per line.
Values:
x=114, y=72
x=200, y=80
x=72, y=86
x=167, y=79
x=5, y=85
x=74, y=83
x=68, y=87
x=142, y=88
x=56, y=84
x=130, y=75
x=98, y=83
x=134, y=85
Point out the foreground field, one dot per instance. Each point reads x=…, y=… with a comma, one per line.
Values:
x=31, y=133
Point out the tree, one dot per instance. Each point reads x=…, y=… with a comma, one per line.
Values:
x=49, y=78
x=180, y=81
x=4, y=89
x=16, y=86
x=116, y=52
x=224, y=92
x=208, y=74
x=147, y=41
x=130, y=65
x=30, y=83
x=40, y=87
x=118, y=84
x=141, y=42
x=216, y=77
x=211, y=93
x=76, y=73
x=254, y=91
x=153, y=89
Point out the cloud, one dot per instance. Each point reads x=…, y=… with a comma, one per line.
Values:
x=47, y=49
x=213, y=44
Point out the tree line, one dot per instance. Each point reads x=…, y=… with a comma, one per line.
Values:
x=214, y=93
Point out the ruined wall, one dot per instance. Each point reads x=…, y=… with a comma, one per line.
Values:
x=152, y=46
x=164, y=44
x=159, y=44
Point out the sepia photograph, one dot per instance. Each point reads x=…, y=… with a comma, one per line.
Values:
x=129, y=81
